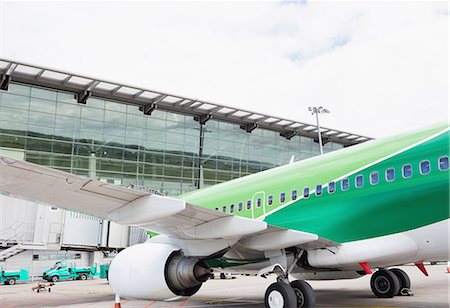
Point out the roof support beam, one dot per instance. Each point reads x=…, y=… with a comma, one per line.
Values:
x=148, y=109
x=4, y=82
x=83, y=96
x=202, y=119
x=249, y=127
x=288, y=135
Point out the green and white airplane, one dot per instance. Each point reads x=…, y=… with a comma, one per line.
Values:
x=337, y=216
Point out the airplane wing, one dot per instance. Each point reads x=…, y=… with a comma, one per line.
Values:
x=161, y=214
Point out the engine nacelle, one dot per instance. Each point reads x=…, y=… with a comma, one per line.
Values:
x=156, y=271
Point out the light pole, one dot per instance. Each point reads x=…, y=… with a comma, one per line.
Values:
x=317, y=110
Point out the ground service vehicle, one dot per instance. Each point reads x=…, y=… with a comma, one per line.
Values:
x=11, y=277
x=64, y=271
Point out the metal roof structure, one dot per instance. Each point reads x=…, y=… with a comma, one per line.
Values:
x=148, y=100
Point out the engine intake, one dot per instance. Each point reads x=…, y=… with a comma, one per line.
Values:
x=156, y=271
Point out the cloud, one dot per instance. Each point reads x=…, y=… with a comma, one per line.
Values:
x=379, y=67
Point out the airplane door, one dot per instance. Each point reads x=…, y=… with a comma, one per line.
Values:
x=258, y=204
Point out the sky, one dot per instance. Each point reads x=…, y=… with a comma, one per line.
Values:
x=380, y=67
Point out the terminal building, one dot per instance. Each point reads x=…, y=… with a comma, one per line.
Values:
x=128, y=136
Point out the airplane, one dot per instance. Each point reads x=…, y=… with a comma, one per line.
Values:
x=341, y=215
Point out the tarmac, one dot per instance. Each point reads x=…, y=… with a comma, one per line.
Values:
x=432, y=291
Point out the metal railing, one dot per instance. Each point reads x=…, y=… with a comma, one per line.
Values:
x=37, y=233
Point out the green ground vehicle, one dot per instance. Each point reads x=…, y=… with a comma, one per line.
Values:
x=11, y=277
x=63, y=271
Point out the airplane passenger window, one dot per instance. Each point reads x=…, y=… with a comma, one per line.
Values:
x=331, y=187
x=258, y=202
x=390, y=174
x=318, y=190
x=294, y=195
x=270, y=200
x=232, y=208
x=306, y=192
x=217, y=209
x=359, y=181
x=224, y=209
x=374, y=178
x=240, y=206
x=443, y=163
x=345, y=184
x=249, y=204
x=282, y=197
x=425, y=167
x=407, y=171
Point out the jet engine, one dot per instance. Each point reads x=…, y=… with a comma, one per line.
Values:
x=156, y=271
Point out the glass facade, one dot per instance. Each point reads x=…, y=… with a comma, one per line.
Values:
x=117, y=143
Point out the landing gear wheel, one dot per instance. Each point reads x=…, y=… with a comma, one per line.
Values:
x=405, y=283
x=304, y=293
x=384, y=284
x=83, y=277
x=12, y=281
x=280, y=295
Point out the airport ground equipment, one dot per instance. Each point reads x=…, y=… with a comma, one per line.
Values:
x=11, y=277
x=104, y=269
x=63, y=271
x=41, y=286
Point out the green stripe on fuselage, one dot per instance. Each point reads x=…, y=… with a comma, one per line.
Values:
x=351, y=215
x=376, y=210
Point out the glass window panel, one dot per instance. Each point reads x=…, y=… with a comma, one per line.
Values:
x=62, y=147
x=91, y=126
x=115, y=117
x=443, y=163
x=258, y=202
x=249, y=204
x=407, y=171
x=114, y=129
x=42, y=105
x=240, y=206
x=359, y=181
x=39, y=145
x=15, y=101
x=66, y=98
x=318, y=190
x=136, y=120
x=67, y=122
x=68, y=109
x=43, y=119
x=390, y=174
x=13, y=115
x=306, y=192
x=224, y=209
x=40, y=131
x=345, y=184
x=12, y=141
x=374, y=178
x=92, y=113
x=115, y=106
x=10, y=127
x=232, y=208
x=44, y=94
x=425, y=167
x=19, y=89
x=270, y=200
x=95, y=103
x=39, y=158
x=282, y=197
x=331, y=187
x=294, y=195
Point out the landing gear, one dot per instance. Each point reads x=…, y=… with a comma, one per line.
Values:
x=280, y=295
x=283, y=294
x=385, y=284
x=304, y=293
x=405, y=283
